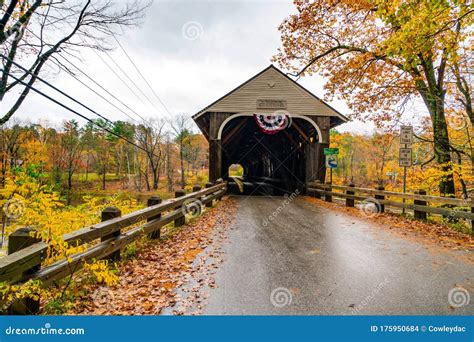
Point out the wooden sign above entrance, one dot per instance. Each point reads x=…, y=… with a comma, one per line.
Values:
x=271, y=104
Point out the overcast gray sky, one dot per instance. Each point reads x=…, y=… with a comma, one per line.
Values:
x=191, y=52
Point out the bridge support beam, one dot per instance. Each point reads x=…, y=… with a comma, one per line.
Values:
x=311, y=151
x=215, y=160
x=320, y=162
x=215, y=146
x=315, y=162
x=324, y=124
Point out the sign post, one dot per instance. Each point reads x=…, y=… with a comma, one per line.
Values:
x=405, y=156
x=331, y=160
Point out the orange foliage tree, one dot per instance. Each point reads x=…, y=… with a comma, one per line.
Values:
x=378, y=54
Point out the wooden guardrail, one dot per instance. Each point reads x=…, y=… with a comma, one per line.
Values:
x=26, y=254
x=421, y=203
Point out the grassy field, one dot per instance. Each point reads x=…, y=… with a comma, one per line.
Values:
x=94, y=177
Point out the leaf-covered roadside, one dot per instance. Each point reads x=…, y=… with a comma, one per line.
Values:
x=148, y=282
x=428, y=232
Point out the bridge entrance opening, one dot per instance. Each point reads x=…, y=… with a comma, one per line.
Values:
x=274, y=162
x=236, y=170
x=274, y=128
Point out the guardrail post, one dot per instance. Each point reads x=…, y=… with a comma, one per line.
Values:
x=380, y=197
x=18, y=240
x=222, y=193
x=196, y=188
x=209, y=204
x=420, y=215
x=219, y=181
x=180, y=220
x=317, y=194
x=110, y=213
x=154, y=200
x=350, y=201
x=328, y=197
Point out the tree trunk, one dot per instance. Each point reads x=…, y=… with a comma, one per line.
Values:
x=69, y=179
x=434, y=101
x=169, y=171
x=128, y=172
x=103, y=176
x=87, y=167
x=158, y=175
x=471, y=149
x=147, y=180
x=461, y=179
x=181, y=157
x=442, y=151
x=155, y=178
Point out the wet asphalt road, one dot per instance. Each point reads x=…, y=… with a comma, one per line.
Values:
x=313, y=261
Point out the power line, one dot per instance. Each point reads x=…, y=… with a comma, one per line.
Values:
x=100, y=95
x=79, y=114
x=118, y=76
x=140, y=73
x=138, y=70
x=51, y=86
x=55, y=88
x=101, y=87
x=131, y=80
x=113, y=71
x=104, y=89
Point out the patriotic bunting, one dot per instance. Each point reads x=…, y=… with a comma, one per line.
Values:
x=271, y=124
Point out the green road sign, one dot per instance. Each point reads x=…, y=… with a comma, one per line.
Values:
x=330, y=151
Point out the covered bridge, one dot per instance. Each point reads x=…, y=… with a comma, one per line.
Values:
x=273, y=127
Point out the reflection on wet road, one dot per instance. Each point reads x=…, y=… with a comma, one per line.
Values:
x=292, y=257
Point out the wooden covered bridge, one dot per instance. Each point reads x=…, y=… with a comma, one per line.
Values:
x=273, y=127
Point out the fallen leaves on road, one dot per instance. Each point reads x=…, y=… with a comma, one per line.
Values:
x=151, y=282
x=438, y=234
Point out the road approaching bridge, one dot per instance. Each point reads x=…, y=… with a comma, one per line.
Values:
x=289, y=256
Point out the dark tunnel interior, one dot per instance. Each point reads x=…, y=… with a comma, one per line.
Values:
x=274, y=164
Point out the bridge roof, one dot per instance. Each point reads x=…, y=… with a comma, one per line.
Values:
x=272, y=90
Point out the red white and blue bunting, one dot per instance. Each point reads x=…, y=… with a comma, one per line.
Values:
x=271, y=123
